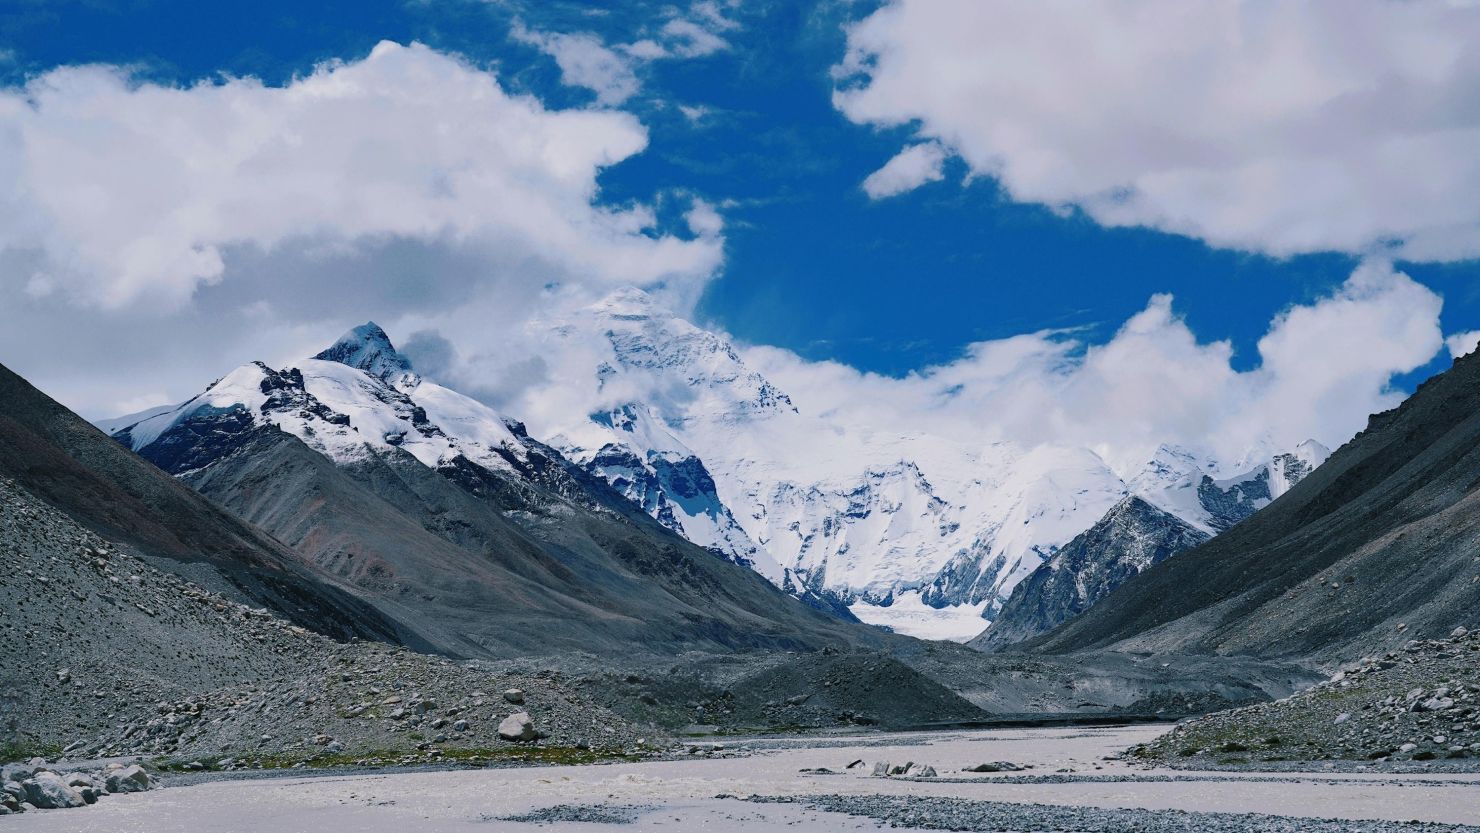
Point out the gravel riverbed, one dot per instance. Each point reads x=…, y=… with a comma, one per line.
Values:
x=1062, y=779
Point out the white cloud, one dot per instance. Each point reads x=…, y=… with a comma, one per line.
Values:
x=691, y=40
x=585, y=62
x=704, y=220
x=1276, y=127
x=907, y=170
x=1323, y=368
x=612, y=72
x=1462, y=344
x=171, y=233
x=133, y=191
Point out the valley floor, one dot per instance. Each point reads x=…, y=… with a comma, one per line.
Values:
x=758, y=785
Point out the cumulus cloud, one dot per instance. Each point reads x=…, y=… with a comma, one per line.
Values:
x=175, y=232
x=1462, y=344
x=1323, y=368
x=909, y=169
x=1274, y=127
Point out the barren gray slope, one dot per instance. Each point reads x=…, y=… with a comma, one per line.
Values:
x=1385, y=533
x=119, y=657
x=445, y=550
x=76, y=468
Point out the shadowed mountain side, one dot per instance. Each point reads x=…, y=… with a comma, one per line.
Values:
x=1377, y=546
x=80, y=471
x=1132, y=537
x=441, y=549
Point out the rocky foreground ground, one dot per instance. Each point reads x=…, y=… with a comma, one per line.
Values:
x=109, y=656
x=1415, y=707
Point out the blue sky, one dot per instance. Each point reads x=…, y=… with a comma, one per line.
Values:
x=810, y=262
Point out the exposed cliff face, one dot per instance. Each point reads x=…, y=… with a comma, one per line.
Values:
x=1131, y=538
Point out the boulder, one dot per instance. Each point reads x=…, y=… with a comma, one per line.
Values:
x=48, y=791
x=130, y=779
x=16, y=772
x=515, y=696
x=881, y=769
x=517, y=727
x=994, y=766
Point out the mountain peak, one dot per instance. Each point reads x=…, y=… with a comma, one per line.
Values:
x=627, y=303
x=368, y=348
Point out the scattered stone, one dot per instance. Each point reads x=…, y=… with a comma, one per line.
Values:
x=518, y=727
x=995, y=766
x=130, y=779
x=47, y=791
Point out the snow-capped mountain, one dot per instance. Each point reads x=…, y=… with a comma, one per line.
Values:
x=352, y=402
x=912, y=531
x=1132, y=537
x=917, y=532
x=649, y=466
x=1185, y=485
x=479, y=539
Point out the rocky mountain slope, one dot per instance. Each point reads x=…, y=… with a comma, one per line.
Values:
x=1133, y=536
x=1375, y=547
x=449, y=516
x=1419, y=705
x=76, y=469
x=916, y=532
x=113, y=656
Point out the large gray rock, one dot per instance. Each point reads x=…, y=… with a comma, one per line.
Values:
x=130, y=779
x=517, y=727
x=515, y=696
x=48, y=791
x=16, y=772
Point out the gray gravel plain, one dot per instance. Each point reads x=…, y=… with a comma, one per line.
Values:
x=922, y=813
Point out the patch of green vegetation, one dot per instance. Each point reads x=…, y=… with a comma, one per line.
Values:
x=20, y=750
